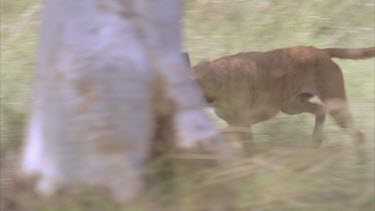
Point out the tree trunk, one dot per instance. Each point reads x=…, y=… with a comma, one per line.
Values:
x=104, y=67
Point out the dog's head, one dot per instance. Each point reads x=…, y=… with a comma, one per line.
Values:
x=200, y=73
x=205, y=79
x=186, y=57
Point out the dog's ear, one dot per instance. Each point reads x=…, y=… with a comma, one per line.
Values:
x=201, y=68
x=203, y=64
x=185, y=55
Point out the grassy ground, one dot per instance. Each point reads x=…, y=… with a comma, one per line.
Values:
x=286, y=174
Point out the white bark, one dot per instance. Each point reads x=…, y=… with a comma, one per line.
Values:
x=92, y=122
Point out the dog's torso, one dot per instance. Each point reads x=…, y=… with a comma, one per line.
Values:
x=247, y=88
x=252, y=87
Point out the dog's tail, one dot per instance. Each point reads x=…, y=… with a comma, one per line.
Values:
x=350, y=53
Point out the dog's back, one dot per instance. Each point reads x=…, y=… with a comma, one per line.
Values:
x=247, y=88
x=265, y=82
x=261, y=68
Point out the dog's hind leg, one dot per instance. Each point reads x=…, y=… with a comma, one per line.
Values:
x=301, y=104
x=339, y=110
x=332, y=93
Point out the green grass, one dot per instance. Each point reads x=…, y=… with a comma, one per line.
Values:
x=285, y=174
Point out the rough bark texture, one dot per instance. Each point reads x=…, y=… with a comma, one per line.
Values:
x=108, y=71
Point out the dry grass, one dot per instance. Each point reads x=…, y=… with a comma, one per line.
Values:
x=285, y=174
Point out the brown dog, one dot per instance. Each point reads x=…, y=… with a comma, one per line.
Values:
x=247, y=88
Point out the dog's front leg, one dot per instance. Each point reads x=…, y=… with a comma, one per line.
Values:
x=248, y=144
x=242, y=135
x=301, y=104
x=320, y=116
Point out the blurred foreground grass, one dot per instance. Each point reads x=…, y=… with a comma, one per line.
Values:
x=286, y=174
